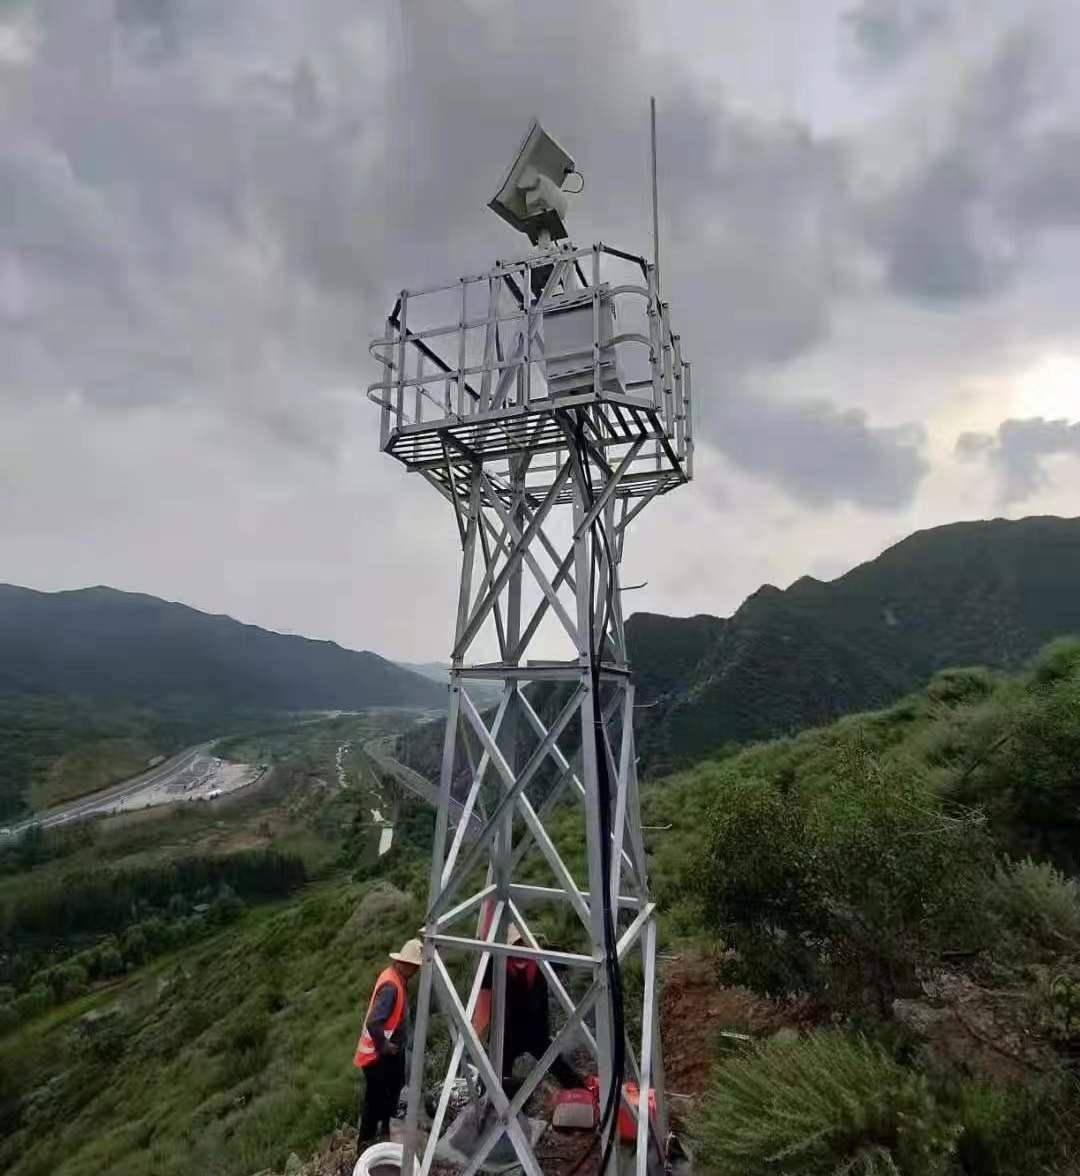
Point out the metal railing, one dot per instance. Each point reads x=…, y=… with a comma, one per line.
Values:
x=466, y=360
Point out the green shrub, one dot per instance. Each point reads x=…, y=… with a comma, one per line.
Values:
x=1057, y=661
x=1023, y=767
x=226, y=908
x=244, y=1048
x=110, y=962
x=102, y=1039
x=1043, y=764
x=135, y=946
x=1038, y=902
x=956, y=686
x=1057, y=1006
x=32, y=1003
x=830, y=1104
x=1014, y=1130
x=67, y=981
x=846, y=886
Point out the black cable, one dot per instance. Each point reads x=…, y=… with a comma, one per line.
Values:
x=605, y=798
x=596, y=654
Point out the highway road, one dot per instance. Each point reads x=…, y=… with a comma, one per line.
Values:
x=379, y=750
x=169, y=776
x=109, y=799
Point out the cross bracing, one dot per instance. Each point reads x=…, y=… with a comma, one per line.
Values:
x=541, y=411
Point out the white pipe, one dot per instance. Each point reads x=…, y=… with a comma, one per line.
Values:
x=655, y=197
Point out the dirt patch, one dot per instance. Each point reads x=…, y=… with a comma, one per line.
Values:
x=336, y=1158
x=695, y=1010
x=976, y=1030
x=569, y=1151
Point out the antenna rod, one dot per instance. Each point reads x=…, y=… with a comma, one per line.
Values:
x=655, y=201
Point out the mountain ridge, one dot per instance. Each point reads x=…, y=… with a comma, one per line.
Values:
x=982, y=592
x=82, y=621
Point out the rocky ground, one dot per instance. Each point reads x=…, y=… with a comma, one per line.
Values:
x=960, y=1021
x=690, y=997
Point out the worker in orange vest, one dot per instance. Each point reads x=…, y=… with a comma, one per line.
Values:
x=380, y=1052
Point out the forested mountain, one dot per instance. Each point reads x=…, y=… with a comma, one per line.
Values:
x=135, y=648
x=980, y=593
x=134, y=675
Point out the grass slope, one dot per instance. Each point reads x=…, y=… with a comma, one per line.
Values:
x=227, y=1053
x=907, y=880
x=221, y=1059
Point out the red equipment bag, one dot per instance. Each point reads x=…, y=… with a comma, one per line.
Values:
x=576, y=1109
x=627, y=1123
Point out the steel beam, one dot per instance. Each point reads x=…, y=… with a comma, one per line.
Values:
x=561, y=721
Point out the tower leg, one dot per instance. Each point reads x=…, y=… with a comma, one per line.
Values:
x=563, y=730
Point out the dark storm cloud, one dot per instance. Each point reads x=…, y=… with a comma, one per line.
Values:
x=259, y=208
x=887, y=32
x=762, y=234
x=1017, y=449
x=945, y=232
x=942, y=236
x=153, y=31
x=215, y=205
x=964, y=223
x=1045, y=192
x=823, y=456
x=153, y=25
x=165, y=215
x=66, y=228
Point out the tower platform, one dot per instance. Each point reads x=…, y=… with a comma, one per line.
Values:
x=484, y=369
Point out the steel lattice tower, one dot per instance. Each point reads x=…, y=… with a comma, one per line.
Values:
x=548, y=402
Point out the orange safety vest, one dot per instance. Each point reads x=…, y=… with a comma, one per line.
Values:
x=365, y=1047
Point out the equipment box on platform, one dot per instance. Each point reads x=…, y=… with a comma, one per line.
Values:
x=568, y=343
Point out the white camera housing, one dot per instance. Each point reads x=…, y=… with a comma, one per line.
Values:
x=530, y=197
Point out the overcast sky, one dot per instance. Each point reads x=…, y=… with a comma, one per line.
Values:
x=869, y=221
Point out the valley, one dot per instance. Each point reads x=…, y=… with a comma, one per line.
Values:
x=878, y=897
x=95, y=683
x=225, y=1037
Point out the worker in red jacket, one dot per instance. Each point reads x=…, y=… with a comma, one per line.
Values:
x=380, y=1052
x=528, y=1023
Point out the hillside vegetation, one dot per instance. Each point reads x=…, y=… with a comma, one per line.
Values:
x=179, y=989
x=903, y=884
x=94, y=682
x=873, y=930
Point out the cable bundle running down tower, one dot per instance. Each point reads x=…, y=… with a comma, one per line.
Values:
x=546, y=383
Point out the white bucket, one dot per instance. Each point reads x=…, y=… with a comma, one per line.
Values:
x=381, y=1159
